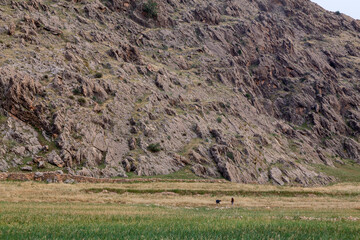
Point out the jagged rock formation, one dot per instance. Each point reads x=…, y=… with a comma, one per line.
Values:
x=255, y=91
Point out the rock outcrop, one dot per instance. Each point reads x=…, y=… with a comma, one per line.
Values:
x=253, y=91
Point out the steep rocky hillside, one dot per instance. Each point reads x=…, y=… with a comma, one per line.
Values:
x=254, y=91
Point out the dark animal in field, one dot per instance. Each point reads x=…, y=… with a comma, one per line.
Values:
x=218, y=201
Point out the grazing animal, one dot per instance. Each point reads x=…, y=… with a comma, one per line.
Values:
x=218, y=201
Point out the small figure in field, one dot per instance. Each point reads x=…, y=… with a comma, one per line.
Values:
x=218, y=201
x=232, y=201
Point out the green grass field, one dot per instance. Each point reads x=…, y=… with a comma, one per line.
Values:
x=31, y=210
x=111, y=221
x=350, y=172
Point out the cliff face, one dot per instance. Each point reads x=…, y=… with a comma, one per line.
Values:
x=251, y=90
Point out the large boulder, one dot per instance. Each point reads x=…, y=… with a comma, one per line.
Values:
x=54, y=159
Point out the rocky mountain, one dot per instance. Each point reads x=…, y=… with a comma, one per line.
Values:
x=254, y=91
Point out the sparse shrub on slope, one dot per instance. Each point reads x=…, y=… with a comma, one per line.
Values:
x=154, y=147
x=151, y=9
x=98, y=75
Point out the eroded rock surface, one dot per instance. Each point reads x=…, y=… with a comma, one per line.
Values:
x=254, y=91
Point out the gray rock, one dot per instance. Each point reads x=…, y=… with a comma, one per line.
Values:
x=54, y=159
x=352, y=149
x=85, y=172
x=132, y=143
x=110, y=172
x=126, y=165
x=38, y=175
x=50, y=180
x=204, y=172
x=276, y=175
x=41, y=165
x=16, y=161
x=26, y=168
x=69, y=181
x=20, y=151
x=70, y=171
x=91, y=156
x=3, y=166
